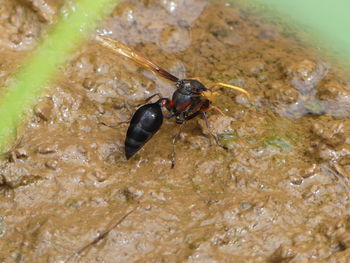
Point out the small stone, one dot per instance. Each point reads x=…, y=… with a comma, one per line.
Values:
x=107, y=91
x=322, y=151
x=101, y=109
x=281, y=93
x=198, y=142
x=218, y=30
x=242, y=99
x=329, y=131
x=101, y=177
x=261, y=78
x=344, y=240
x=174, y=38
x=255, y=66
x=296, y=180
x=282, y=254
x=12, y=157
x=303, y=70
x=183, y=23
x=344, y=160
x=245, y=206
x=237, y=82
x=148, y=207
x=228, y=141
x=52, y=164
x=132, y=194
x=219, y=124
x=314, y=107
x=46, y=148
x=15, y=39
x=109, y=120
x=310, y=171
x=21, y=153
x=89, y=84
x=2, y=180
x=331, y=90
x=268, y=33
x=43, y=109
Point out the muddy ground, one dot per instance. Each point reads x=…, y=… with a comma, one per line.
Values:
x=275, y=189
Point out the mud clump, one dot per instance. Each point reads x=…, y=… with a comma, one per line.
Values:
x=332, y=132
x=280, y=93
x=332, y=89
x=273, y=186
x=330, y=141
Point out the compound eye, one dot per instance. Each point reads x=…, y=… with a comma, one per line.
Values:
x=195, y=89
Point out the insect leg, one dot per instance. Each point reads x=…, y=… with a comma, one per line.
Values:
x=175, y=139
x=169, y=116
x=209, y=128
x=212, y=107
x=192, y=115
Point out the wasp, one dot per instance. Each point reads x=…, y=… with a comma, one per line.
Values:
x=190, y=99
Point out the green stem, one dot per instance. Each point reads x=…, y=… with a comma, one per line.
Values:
x=39, y=69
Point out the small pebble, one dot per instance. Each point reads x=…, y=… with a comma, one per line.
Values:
x=344, y=240
x=296, y=180
x=44, y=109
x=331, y=132
x=245, y=206
x=52, y=164
x=89, y=84
x=101, y=177
x=21, y=153
x=283, y=253
x=46, y=148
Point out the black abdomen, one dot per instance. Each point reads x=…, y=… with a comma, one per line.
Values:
x=146, y=121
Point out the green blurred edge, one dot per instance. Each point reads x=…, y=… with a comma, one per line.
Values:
x=323, y=23
x=39, y=69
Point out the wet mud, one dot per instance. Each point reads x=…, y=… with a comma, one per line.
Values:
x=275, y=188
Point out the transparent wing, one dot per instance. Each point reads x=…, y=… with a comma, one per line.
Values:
x=128, y=52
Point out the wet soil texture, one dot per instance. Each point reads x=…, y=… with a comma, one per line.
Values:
x=275, y=189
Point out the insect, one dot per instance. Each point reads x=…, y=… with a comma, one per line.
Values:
x=189, y=99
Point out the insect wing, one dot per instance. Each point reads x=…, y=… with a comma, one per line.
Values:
x=128, y=52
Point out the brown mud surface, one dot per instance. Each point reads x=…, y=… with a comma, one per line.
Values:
x=276, y=189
